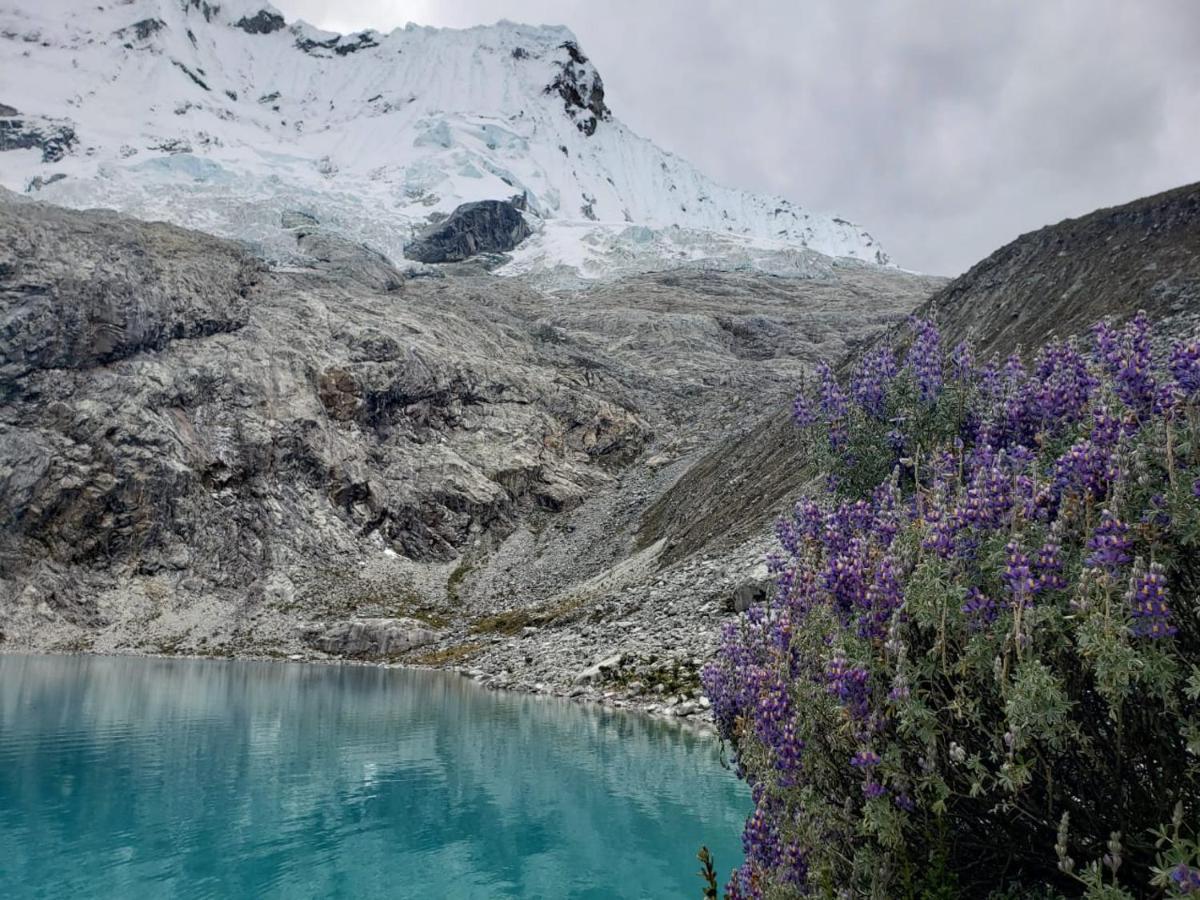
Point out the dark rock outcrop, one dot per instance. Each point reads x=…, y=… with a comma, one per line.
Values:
x=333, y=253
x=54, y=137
x=750, y=592
x=38, y=182
x=143, y=29
x=582, y=90
x=342, y=45
x=262, y=22
x=486, y=226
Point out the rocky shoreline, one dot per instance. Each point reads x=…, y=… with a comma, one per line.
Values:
x=693, y=715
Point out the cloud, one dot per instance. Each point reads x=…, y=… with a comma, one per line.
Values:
x=945, y=128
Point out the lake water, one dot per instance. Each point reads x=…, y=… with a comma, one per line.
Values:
x=128, y=778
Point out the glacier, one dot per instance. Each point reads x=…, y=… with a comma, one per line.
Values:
x=222, y=117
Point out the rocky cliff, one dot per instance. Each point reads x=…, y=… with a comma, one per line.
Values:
x=202, y=453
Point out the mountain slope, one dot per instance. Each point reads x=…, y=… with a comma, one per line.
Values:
x=1058, y=280
x=201, y=453
x=223, y=117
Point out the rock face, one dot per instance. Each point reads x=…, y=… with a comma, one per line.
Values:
x=54, y=138
x=487, y=226
x=1062, y=278
x=199, y=452
x=142, y=287
x=581, y=89
x=369, y=638
x=262, y=22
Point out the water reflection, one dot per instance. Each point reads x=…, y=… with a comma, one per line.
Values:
x=134, y=777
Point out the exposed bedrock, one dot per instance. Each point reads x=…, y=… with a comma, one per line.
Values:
x=486, y=226
x=201, y=453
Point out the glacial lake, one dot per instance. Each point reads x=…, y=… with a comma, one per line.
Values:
x=130, y=778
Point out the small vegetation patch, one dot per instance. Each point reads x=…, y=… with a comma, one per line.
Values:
x=447, y=656
x=511, y=621
x=342, y=594
x=454, y=582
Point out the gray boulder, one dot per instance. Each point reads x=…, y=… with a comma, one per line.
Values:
x=597, y=673
x=342, y=258
x=748, y=593
x=369, y=638
x=486, y=226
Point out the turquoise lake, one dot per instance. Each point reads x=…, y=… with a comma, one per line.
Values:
x=130, y=778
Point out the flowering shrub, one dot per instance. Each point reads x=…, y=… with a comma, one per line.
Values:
x=981, y=667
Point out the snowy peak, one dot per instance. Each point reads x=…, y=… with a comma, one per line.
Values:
x=223, y=116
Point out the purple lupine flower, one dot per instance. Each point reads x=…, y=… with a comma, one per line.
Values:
x=1064, y=385
x=865, y=759
x=1185, y=367
x=845, y=578
x=873, y=790
x=1087, y=467
x=885, y=503
x=834, y=407
x=1109, y=544
x=943, y=529
x=849, y=684
x=979, y=609
x=741, y=885
x=1157, y=513
x=884, y=596
x=925, y=359
x=774, y=724
x=1049, y=568
x=1017, y=575
x=1125, y=355
x=988, y=499
x=803, y=413
x=1107, y=344
x=872, y=379
x=831, y=399
x=1185, y=879
x=1149, y=598
x=794, y=865
x=760, y=837
x=989, y=382
x=962, y=363
x=1108, y=428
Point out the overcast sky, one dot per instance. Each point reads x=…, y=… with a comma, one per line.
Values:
x=945, y=128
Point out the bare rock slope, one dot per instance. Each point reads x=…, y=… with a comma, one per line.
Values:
x=202, y=454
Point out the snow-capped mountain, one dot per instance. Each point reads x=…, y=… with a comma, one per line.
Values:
x=222, y=116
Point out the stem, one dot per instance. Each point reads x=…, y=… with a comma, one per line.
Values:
x=1170, y=453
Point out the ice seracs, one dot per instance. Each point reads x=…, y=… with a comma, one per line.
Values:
x=223, y=116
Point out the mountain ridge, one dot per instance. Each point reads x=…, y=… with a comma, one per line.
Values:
x=225, y=116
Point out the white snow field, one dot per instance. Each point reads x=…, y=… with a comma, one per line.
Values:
x=222, y=117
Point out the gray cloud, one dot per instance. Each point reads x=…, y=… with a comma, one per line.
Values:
x=946, y=128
